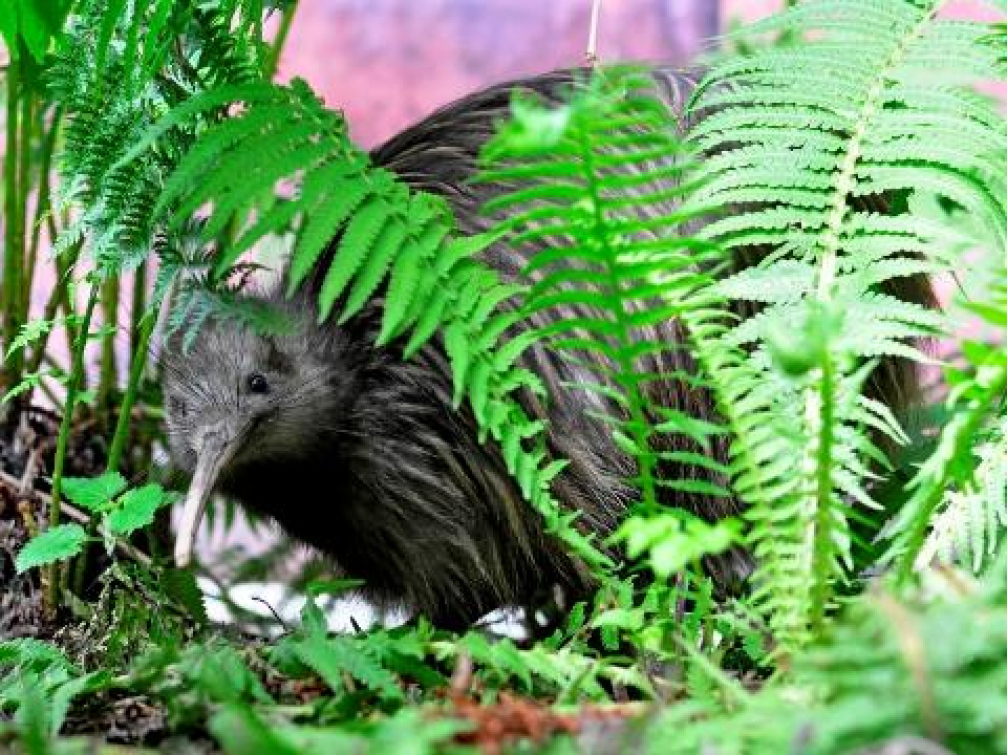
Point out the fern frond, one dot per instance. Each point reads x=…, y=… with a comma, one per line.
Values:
x=970, y=523
x=956, y=497
x=797, y=136
x=114, y=78
x=597, y=188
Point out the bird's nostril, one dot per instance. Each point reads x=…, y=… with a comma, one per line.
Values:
x=177, y=406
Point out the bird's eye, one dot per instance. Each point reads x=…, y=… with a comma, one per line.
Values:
x=257, y=383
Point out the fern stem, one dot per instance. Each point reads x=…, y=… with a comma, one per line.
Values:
x=627, y=374
x=107, y=371
x=44, y=204
x=14, y=235
x=846, y=180
x=821, y=546
x=819, y=401
x=286, y=20
x=129, y=397
x=72, y=390
x=138, y=308
x=27, y=126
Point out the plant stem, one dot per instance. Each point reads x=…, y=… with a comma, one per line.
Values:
x=13, y=253
x=821, y=567
x=137, y=308
x=56, y=297
x=69, y=304
x=27, y=126
x=44, y=204
x=107, y=374
x=76, y=375
x=627, y=376
x=286, y=19
x=129, y=397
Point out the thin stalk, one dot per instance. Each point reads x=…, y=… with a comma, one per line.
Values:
x=138, y=307
x=72, y=390
x=107, y=376
x=69, y=305
x=273, y=61
x=821, y=556
x=56, y=298
x=27, y=126
x=591, y=54
x=129, y=398
x=44, y=204
x=13, y=252
x=627, y=376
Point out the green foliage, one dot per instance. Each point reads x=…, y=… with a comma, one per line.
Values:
x=94, y=493
x=121, y=515
x=621, y=265
x=963, y=478
x=55, y=544
x=31, y=25
x=672, y=542
x=177, y=149
x=39, y=683
x=886, y=673
x=333, y=658
x=972, y=516
x=880, y=119
x=136, y=509
x=118, y=68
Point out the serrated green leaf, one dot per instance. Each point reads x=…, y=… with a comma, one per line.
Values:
x=375, y=267
x=36, y=654
x=55, y=544
x=323, y=223
x=181, y=586
x=352, y=249
x=136, y=509
x=92, y=493
x=405, y=293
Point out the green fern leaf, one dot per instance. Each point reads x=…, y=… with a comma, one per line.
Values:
x=333, y=657
x=353, y=247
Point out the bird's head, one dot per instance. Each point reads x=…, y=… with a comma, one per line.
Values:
x=237, y=397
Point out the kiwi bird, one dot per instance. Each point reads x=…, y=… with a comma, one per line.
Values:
x=359, y=453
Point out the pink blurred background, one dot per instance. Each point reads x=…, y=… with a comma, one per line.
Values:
x=387, y=63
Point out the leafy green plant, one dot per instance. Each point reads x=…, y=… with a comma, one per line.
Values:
x=623, y=263
x=879, y=120
x=178, y=156
x=121, y=514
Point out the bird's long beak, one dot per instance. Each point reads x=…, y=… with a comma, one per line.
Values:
x=215, y=447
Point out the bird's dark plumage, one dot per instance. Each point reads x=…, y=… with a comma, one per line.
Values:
x=359, y=453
